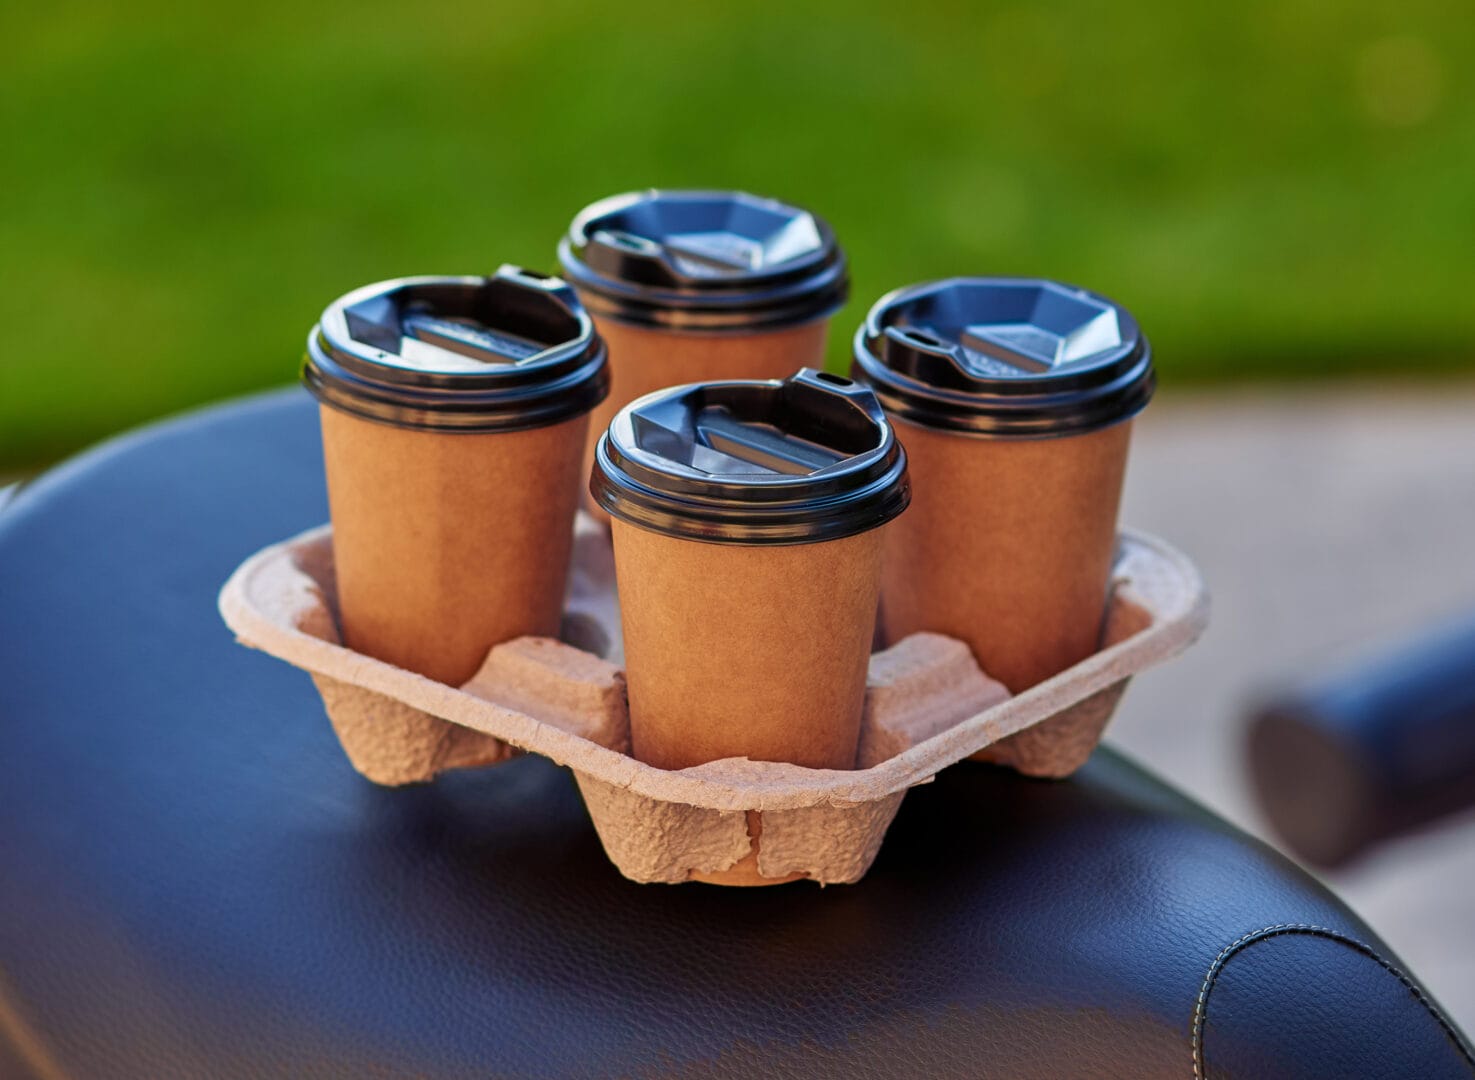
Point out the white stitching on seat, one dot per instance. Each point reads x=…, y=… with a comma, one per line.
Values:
x=1200, y=1008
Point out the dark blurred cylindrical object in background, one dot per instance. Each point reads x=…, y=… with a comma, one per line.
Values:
x=1371, y=751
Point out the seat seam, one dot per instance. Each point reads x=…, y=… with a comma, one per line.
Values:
x=1200, y=1008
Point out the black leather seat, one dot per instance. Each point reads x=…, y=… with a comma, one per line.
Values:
x=193, y=883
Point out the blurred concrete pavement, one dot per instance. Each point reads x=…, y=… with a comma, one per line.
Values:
x=1327, y=522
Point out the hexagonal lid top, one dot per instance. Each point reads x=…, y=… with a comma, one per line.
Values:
x=1009, y=330
x=1004, y=356
x=704, y=259
x=459, y=325
x=752, y=239
x=808, y=458
x=510, y=351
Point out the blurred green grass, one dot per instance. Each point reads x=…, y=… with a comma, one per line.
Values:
x=1281, y=191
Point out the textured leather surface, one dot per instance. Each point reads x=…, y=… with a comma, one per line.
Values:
x=193, y=883
x=1299, y=1000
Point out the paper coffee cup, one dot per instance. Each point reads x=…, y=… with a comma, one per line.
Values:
x=454, y=411
x=748, y=536
x=702, y=285
x=1013, y=399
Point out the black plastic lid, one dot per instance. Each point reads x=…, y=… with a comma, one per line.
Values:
x=714, y=261
x=1012, y=357
x=753, y=462
x=470, y=354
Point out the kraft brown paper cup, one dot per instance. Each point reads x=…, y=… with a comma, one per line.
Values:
x=646, y=359
x=737, y=651
x=1007, y=546
x=445, y=545
x=749, y=526
x=1014, y=399
x=454, y=413
x=757, y=652
x=693, y=286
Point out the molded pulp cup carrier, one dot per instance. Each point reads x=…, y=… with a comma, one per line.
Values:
x=927, y=705
x=722, y=711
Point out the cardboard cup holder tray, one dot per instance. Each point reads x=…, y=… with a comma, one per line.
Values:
x=928, y=706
